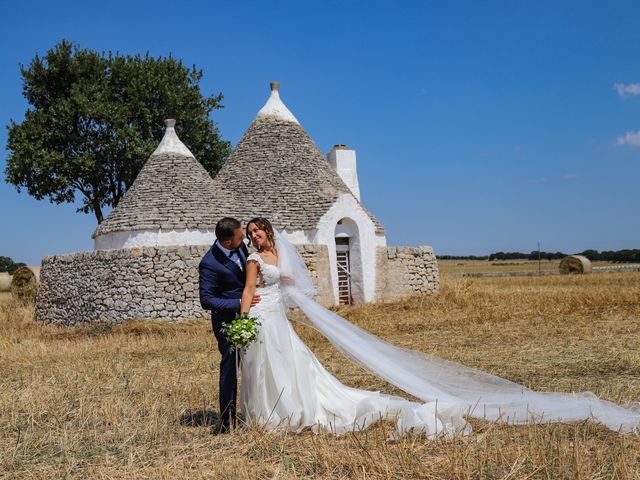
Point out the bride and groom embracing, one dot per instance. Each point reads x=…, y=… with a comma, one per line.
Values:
x=284, y=386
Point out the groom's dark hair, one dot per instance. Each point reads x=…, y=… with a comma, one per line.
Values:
x=226, y=227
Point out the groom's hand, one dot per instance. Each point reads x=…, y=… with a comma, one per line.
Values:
x=255, y=300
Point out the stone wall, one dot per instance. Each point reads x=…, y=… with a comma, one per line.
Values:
x=118, y=285
x=162, y=283
x=317, y=259
x=404, y=271
x=146, y=283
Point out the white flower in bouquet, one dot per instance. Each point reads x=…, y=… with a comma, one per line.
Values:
x=242, y=331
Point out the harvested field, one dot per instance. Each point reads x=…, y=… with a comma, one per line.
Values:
x=482, y=266
x=132, y=401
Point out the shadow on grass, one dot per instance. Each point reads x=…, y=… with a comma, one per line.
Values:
x=200, y=418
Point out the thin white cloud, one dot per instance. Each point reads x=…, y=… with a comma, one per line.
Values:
x=629, y=138
x=629, y=90
x=570, y=176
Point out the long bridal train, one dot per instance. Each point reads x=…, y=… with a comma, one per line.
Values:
x=285, y=386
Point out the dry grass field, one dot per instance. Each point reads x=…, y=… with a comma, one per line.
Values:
x=476, y=266
x=133, y=401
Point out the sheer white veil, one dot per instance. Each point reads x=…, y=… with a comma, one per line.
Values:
x=293, y=268
x=457, y=389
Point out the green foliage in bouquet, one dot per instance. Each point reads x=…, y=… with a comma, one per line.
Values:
x=242, y=331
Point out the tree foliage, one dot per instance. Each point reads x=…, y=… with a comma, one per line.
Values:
x=628, y=255
x=95, y=118
x=8, y=265
x=527, y=256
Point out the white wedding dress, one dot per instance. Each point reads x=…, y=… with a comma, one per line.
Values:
x=284, y=386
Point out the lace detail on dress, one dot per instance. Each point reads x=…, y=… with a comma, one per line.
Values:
x=269, y=274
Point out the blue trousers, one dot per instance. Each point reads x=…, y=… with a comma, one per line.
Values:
x=228, y=375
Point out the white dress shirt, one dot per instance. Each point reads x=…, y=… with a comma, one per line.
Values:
x=235, y=258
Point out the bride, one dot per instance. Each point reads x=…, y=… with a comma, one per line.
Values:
x=284, y=386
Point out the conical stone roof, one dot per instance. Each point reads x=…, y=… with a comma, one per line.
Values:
x=278, y=172
x=173, y=191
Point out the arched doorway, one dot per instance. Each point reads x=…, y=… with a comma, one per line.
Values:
x=343, y=262
x=348, y=263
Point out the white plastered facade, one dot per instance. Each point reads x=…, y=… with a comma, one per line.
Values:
x=364, y=240
x=154, y=238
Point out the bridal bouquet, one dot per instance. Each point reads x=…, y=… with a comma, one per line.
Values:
x=242, y=331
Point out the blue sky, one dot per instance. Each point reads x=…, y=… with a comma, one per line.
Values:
x=479, y=126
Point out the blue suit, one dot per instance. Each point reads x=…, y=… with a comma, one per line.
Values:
x=221, y=285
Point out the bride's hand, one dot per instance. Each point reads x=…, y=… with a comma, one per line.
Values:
x=287, y=280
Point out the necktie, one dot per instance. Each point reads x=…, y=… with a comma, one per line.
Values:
x=238, y=259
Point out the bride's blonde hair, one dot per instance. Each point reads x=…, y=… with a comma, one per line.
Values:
x=264, y=225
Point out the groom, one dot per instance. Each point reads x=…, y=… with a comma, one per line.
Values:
x=222, y=278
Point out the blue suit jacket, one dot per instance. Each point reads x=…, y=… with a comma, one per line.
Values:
x=221, y=284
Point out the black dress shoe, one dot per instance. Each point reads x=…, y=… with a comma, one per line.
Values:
x=220, y=428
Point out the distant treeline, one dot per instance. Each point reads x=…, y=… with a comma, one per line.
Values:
x=628, y=255
x=8, y=265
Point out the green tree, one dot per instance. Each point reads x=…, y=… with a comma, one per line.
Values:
x=95, y=118
x=591, y=254
x=8, y=265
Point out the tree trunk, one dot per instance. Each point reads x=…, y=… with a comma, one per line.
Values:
x=98, y=212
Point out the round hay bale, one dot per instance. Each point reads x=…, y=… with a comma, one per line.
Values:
x=5, y=282
x=25, y=282
x=575, y=264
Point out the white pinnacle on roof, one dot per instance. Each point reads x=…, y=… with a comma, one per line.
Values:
x=275, y=108
x=170, y=142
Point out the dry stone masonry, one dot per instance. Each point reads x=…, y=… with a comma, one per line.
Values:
x=117, y=285
x=405, y=271
x=316, y=257
x=112, y=286
x=139, y=283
